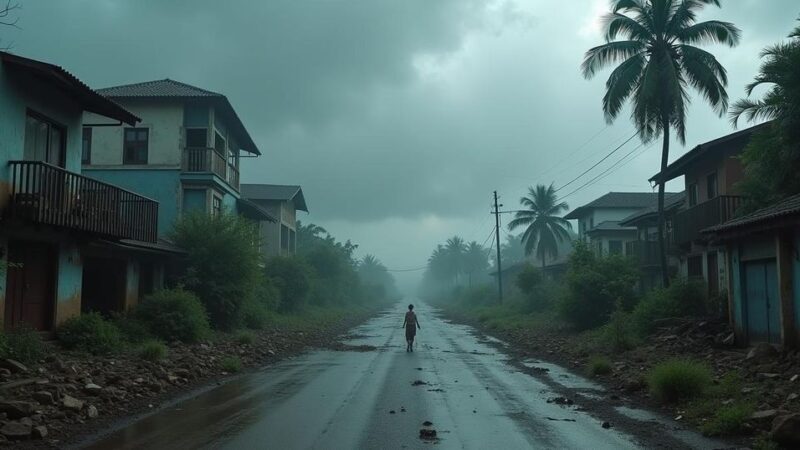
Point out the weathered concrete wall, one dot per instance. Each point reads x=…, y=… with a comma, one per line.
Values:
x=69, y=280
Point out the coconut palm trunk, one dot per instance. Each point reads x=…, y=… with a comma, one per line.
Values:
x=662, y=218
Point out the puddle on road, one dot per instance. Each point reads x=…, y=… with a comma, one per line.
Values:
x=562, y=376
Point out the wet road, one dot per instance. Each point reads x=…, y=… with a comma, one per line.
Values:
x=474, y=396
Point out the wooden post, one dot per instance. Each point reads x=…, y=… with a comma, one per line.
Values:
x=784, y=253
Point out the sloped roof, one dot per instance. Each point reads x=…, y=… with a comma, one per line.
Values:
x=282, y=192
x=610, y=225
x=763, y=217
x=621, y=200
x=253, y=211
x=731, y=144
x=171, y=89
x=82, y=94
x=671, y=201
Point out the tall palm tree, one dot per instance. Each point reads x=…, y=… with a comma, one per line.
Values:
x=455, y=248
x=544, y=229
x=658, y=60
x=476, y=260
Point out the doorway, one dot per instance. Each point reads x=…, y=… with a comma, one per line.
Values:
x=762, y=305
x=104, y=281
x=30, y=285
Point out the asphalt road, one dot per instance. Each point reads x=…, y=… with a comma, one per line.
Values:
x=474, y=395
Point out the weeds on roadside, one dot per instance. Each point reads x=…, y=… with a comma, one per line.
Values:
x=599, y=365
x=23, y=343
x=90, y=333
x=231, y=364
x=678, y=379
x=728, y=419
x=245, y=337
x=152, y=350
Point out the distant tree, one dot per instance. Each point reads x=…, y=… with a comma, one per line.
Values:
x=455, y=248
x=658, y=62
x=544, y=228
x=772, y=158
x=512, y=250
x=476, y=260
x=7, y=18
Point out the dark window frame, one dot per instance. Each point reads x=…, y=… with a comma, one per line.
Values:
x=613, y=251
x=86, y=150
x=205, y=130
x=129, y=147
x=692, y=194
x=216, y=205
x=51, y=123
x=712, y=176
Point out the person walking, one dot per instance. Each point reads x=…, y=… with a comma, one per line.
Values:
x=411, y=324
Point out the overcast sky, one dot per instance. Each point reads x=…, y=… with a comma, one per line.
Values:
x=398, y=117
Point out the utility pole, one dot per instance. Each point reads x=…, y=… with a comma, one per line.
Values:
x=497, y=241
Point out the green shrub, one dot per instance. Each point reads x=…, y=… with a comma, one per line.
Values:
x=132, y=329
x=222, y=263
x=90, y=333
x=618, y=334
x=678, y=379
x=290, y=276
x=22, y=343
x=231, y=364
x=152, y=350
x=174, y=315
x=682, y=298
x=245, y=337
x=594, y=285
x=529, y=278
x=599, y=365
x=728, y=419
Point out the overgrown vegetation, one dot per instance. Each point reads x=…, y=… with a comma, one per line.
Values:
x=91, y=333
x=678, y=379
x=174, y=315
x=245, y=337
x=599, y=365
x=231, y=364
x=23, y=344
x=152, y=350
x=291, y=278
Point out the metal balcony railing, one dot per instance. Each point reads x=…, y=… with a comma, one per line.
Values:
x=47, y=194
x=209, y=160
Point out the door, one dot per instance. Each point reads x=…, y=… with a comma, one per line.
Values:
x=104, y=281
x=762, y=301
x=30, y=285
x=713, y=274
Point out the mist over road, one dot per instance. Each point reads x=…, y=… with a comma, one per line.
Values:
x=371, y=393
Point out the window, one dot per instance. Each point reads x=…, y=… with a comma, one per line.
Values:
x=219, y=143
x=292, y=241
x=197, y=137
x=692, y=194
x=599, y=247
x=216, y=205
x=86, y=149
x=44, y=140
x=284, y=239
x=135, y=146
x=591, y=222
x=712, y=185
x=614, y=247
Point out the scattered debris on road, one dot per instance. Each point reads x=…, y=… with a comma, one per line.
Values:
x=419, y=383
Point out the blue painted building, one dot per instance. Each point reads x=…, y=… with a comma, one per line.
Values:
x=54, y=219
x=764, y=272
x=185, y=153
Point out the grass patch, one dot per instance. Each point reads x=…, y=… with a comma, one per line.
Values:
x=23, y=344
x=598, y=365
x=152, y=351
x=763, y=442
x=728, y=419
x=245, y=337
x=231, y=364
x=678, y=379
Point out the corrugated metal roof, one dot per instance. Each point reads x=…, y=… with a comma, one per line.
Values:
x=157, y=88
x=622, y=200
x=787, y=207
x=82, y=94
x=282, y=192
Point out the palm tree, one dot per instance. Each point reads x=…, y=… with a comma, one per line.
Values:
x=544, y=229
x=476, y=260
x=658, y=61
x=455, y=248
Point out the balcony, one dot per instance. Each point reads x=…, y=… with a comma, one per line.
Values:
x=47, y=194
x=208, y=160
x=646, y=253
x=688, y=224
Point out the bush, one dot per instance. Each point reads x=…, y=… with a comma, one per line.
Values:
x=728, y=419
x=132, y=329
x=174, y=314
x=682, y=298
x=529, y=278
x=152, y=350
x=599, y=365
x=22, y=343
x=245, y=337
x=222, y=263
x=595, y=284
x=678, y=379
x=90, y=333
x=618, y=334
x=290, y=276
x=231, y=364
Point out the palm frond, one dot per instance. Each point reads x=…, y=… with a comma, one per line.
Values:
x=707, y=75
x=603, y=55
x=621, y=84
x=616, y=24
x=710, y=31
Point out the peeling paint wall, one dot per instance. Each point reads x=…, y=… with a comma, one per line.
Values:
x=69, y=280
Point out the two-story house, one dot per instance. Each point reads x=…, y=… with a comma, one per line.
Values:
x=599, y=220
x=185, y=153
x=711, y=171
x=278, y=236
x=53, y=216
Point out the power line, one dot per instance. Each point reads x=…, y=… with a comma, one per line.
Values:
x=408, y=270
x=573, y=153
x=598, y=162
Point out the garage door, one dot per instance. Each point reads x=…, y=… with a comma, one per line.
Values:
x=762, y=302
